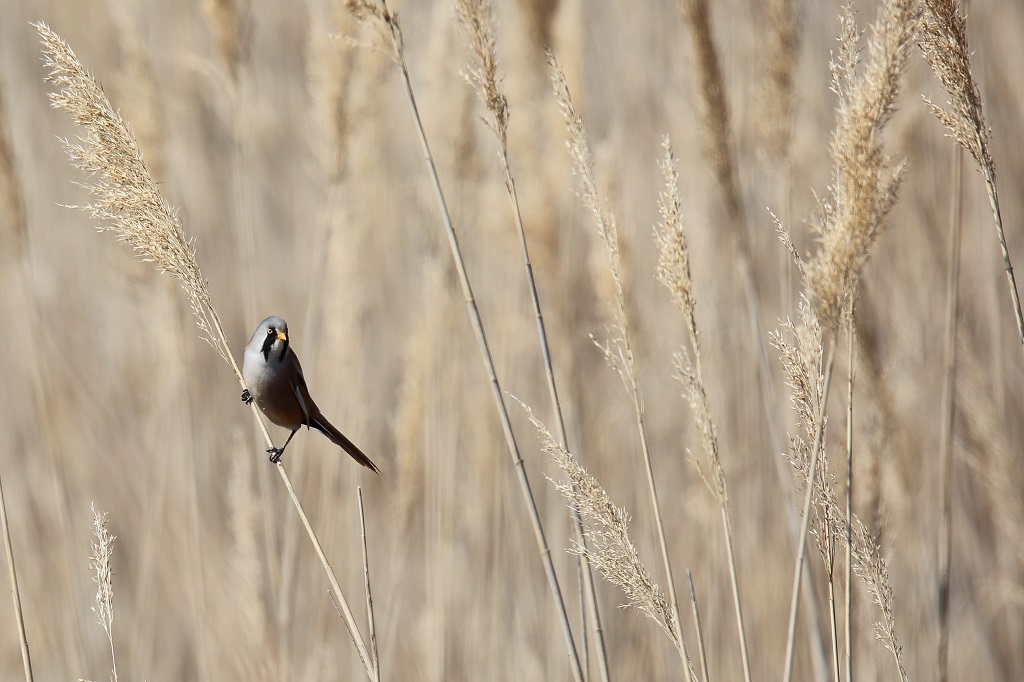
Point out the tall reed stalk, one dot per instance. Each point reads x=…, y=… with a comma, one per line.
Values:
x=478, y=22
x=377, y=14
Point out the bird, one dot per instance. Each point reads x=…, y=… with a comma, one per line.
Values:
x=273, y=377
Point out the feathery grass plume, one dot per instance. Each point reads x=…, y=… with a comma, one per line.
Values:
x=866, y=181
x=99, y=562
x=943, y=41
x=802, y=354
x=611, y=550
x=376, y=13
x=618, y=350
x=674, y=273
x=125, y=197
x=478, y=20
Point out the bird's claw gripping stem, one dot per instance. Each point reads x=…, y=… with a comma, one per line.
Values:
x=275, y=454
x=247, y=397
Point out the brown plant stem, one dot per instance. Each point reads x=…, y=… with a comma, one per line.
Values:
x=945, y=538
x=787, y=673
x=26, y=659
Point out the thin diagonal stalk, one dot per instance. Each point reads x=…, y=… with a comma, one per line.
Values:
x=26, y=660
x=787, y=674
x=389, y=26
x=478, y=22
x=369, y=594
x=997, y=217
x=638, y=413
x=703, y=654
x=485, y=353
x=948, y=418
x=590, y=592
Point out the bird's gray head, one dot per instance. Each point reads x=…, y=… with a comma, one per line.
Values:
x=271, y=338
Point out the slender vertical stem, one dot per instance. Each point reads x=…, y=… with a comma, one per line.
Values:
x=851, y=340
x=787, y=674
x=26, y=660
x=349, y=619
x=948, y=418
x=833, y=624
x=638, y=408
x=734, y=583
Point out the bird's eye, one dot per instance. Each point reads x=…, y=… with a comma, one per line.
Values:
x=270, y=332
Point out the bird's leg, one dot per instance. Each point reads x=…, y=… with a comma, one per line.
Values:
x=275, y=453
x=247, y=397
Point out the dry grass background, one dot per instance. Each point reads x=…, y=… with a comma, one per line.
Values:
x=293, y=161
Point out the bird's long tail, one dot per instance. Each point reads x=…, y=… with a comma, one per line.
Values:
x=325, y=427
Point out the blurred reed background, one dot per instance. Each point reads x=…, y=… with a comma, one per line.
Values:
x=292, y=158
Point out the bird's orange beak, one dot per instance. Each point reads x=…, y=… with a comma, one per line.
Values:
x=282, y=336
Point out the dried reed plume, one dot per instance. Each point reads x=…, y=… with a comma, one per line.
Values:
x=618, y=350
x=674, y=273
x=866, y=181
x=125, y=197
x=478, y=20
x=99, y=562
x=943, y=41
x=611, y=550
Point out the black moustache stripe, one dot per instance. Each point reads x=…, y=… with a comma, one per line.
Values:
x=267, y=343
x=284, y=349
